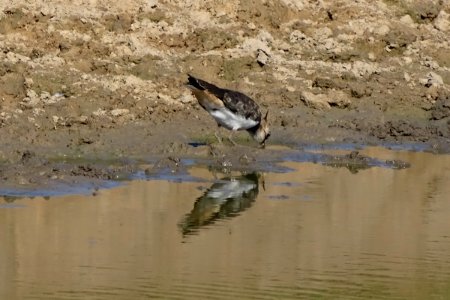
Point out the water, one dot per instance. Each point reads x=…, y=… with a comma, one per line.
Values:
x=317, y=232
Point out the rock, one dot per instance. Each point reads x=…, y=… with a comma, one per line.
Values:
x=429, y=63
x=47, y=98
x=333, y=98
x=285, y=121
x=407, y=60
x=99, y=113
x=27, y=155
x=4, y=117
x=432, y=93
x=382, y=30
x=70, y=121
x=119, y=112
x=432, y=79
x=28, y=82
x=85, y=141
x=31, y=100
x=48, y=11
x=263, y=41
x=360, y=90
x=442, y=22
x=12, y=84
x=407, y=77
x=290, y=88
x=22, y=180
x=338, y=99
x=297, y=36
x=360, y=68
x=318, y=101
x=16, y=58
x=262, y=57
x=356, y=28
x=55, y=119
x=38, y=111
x=326, y=83
x=399, y=128
x=83, y=119
x=323, y=33
x=246, y=160
x=400, y=37
x=441, y=108
x=406, y=19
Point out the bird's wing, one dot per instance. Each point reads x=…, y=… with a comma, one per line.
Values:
x=235, y=101
x=242, y=105
x=207, y=100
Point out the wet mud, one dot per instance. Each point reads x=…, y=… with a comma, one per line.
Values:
x=34, y=176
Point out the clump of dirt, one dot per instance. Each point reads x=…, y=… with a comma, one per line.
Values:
x=441, y=108
x=356, y=162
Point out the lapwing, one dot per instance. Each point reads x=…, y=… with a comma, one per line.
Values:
x=231, y=109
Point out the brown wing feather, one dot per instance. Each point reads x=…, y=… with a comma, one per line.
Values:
x=207, y=100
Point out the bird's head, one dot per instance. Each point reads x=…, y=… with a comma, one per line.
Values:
x=262, y=133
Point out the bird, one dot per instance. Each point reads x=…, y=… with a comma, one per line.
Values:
x=231, y=109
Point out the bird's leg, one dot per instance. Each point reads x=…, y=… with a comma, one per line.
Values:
x=230, y=138
x=219, y=139
x=217, y=134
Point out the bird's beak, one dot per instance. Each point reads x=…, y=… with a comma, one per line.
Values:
x=263, y=143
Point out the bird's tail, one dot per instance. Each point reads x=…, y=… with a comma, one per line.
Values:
x=198, y=84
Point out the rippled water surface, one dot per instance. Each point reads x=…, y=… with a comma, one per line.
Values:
x=317, y=232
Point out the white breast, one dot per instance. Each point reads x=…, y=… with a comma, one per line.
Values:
x=231, y=121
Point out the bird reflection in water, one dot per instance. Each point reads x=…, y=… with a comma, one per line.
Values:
x=226, y=198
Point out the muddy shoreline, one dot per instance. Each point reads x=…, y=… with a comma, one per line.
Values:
x=34, y=175
x=95, y=92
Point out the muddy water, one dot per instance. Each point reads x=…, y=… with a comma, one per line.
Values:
x=315, y=232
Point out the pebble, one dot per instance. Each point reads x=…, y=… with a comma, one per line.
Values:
x=431, y=79
x=119, y=112
x=407, y=77
x=406, y=19
x=442, y=22
x=317, y=101
x=262, y=57
x=323, y=33
x=382, y=30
